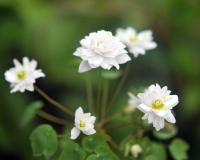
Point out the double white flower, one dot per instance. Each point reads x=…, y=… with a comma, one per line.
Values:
x=137, y=43
x=23, y=76
x=156, y=103
x=84, y=123
x=101, y=49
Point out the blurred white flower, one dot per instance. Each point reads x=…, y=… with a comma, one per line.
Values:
x=156, y=103
x=101, y=49
x=136, y=150
x=23, y=76
x=133, y=100
x=84, y=123
x=137, y=43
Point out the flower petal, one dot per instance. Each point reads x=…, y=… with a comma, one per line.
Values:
x=170, y=117
x=144, y=108
x=75, y=132
x=84, y=66
x=123, y=58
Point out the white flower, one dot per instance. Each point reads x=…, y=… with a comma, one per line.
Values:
x=156, y=103
x=84, y=123
x=23, y=76
x=137, y=43
x=101, y=49
x=136, y=150
x=133, y=100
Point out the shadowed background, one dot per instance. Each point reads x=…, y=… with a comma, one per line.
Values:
x=50, y=30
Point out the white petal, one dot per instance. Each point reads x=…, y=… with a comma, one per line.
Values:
x=17, y=63
x=75, y=132
x=171, y=101
x=90, y=131
x=84, y=67
x=144, y=108
x=123, y=58
x=133, y=100
x=170, y=117
x=79, y=112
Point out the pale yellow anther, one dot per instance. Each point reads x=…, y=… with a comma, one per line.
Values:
x=134, y=38
x=157, y=104
x=82, y=124
x=21, y=75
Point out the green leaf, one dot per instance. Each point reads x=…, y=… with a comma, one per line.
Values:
x=178, y=149
x=151, y=157
x=92, y=142
x=44, y=141
x=166, y=133
x=30, y=112
x=158, y=150
x=72, y=151
x=103, y=153
x=110, y=74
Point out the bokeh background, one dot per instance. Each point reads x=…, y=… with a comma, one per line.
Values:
x=49, y=31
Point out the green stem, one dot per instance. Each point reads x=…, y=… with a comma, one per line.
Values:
x=53, y=102
x=104, y=99
x=51, y=118
x=89, y=94
x=119, y=87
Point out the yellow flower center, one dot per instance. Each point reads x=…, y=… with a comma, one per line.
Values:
x=21, y=75
x=82, y=124
x=134, y=38
x=157, y=104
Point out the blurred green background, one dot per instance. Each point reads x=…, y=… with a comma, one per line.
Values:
x=49, y=31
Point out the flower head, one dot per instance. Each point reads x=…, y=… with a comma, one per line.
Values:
x=23, y=76
x=156, y=103
x=101, y=49
x=136, y=150
x=137, y=43
x=84, y=123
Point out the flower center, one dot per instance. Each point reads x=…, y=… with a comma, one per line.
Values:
x=82, y=124
x=21, y=75
x=134, y=38
x=157, y=104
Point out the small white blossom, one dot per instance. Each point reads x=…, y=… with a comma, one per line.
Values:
x=156, y=103
x=23, y=76
x=84, y=123
x=101, y=49
x=136, y=150
x=137, y=43
x=133, y=100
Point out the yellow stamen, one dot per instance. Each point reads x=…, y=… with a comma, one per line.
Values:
x=82, y=124
x=157, y=104
x=134, y=38
x=21, y=75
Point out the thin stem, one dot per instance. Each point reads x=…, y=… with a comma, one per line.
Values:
x=99, y=89
x=119, y=87
x=89, y=95
x=115, y=116
x=123, y=124
x=53, y=102
x=104, y=99
x=51, y=118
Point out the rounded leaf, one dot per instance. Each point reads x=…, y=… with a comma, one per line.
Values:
x=44, y=141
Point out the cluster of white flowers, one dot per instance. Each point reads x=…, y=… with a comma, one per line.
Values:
x=156, y=104
x=23, y=76
x=102, y=49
